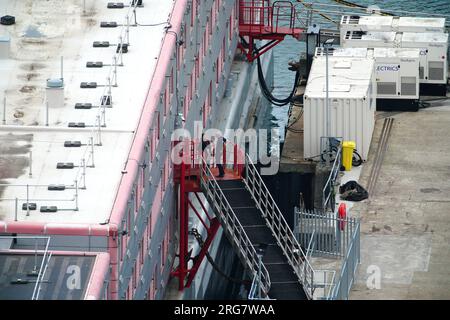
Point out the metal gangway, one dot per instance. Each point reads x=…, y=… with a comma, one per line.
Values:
x=260, y=234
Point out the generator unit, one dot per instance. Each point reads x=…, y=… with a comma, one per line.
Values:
x=397, y=74
x=364, y=23
x=370, y=39
x=351, y=103
x=379, y=23
x=433, y=68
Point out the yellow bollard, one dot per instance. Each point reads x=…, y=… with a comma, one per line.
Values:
x=347, y=154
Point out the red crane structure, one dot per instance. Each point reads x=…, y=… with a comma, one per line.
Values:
x=187, y=177
x=264, y=20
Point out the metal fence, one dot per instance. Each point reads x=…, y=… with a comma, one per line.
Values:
x=327, y=235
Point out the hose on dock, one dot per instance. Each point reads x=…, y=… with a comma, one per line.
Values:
x=268, y=94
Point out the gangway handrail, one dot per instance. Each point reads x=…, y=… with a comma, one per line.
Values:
x=232, y=225
x=279, y=227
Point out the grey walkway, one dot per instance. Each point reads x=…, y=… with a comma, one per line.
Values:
x=406, y=222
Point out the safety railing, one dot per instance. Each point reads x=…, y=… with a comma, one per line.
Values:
x=328, y=192
x=233, y=227
x=349, y=268
x=264, y=16
x=329, y=236
x=279, y=227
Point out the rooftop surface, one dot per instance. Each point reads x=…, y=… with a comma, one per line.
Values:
x=349, y=77
x=19, y=270
x=427, y=37
x=45, y=31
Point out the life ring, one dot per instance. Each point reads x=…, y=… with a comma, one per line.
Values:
x=342, y=214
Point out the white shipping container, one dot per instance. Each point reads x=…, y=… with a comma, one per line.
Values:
x=390, y=24
x=396, y=69
x=352, y=103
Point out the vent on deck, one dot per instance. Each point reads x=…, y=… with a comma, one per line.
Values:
x=115, y=5
x=83, y=106
x=92, y=64
x=49, y=209
x=31, y=206
x=88, y=85
x=77, y=125
x=65, y=165
x=108, y=24
x=56, y=187
x=72, y=144
x=7, y=20
x=100, y=44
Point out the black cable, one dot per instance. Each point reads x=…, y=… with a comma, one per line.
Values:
x=200, y=241
x=268, y=94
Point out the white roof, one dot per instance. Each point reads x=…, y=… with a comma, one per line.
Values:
x=425, y=37
x=44, y=31
x=396, y=53
x=438, y=23
x=376, y=20
x=379, y=36
x=348, y=77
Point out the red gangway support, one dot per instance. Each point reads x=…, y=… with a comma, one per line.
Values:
x=264, y=20
x=187, y=177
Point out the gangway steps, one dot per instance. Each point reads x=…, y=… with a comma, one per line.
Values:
x=284, y=282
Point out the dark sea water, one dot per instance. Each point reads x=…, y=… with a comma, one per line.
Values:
x=290, y=48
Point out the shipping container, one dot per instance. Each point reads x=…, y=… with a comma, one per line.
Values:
x=352, y=103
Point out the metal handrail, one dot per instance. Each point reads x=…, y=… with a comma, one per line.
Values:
x=279, y=227
x=232, y=226
x=326, y=196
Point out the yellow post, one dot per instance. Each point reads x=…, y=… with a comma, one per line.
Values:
x=347, y=154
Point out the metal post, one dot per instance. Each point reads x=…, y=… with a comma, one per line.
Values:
x=120, y=50
x=46, y=113
x=259, y=275
x=115, y=72
x=30, y=173
x=91, y=140
x=83, y=173
x=327, y=45
x=76, y=195
x=28, y=207
x=15, y=214
x=35, y=256
x=62, y=69
x=4, y=110
x=84, y=6
x=99, y=130
x=128, y=29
